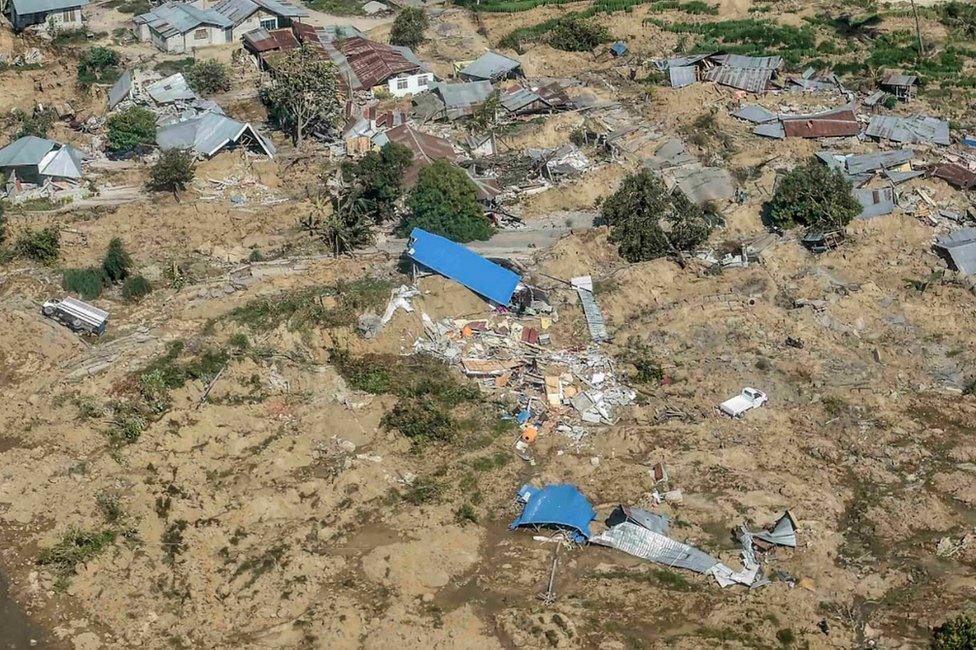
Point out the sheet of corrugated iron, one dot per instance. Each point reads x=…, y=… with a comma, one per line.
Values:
x=832, y=125
x=955, y=174
x=754, y=80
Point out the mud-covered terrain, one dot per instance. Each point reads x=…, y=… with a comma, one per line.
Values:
x=234, y=466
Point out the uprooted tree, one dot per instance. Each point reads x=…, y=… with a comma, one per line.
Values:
x=408, y=28
x=815, y=196
x=377, y=180
x=302, y=93
x=445, y=202
x=647, y=221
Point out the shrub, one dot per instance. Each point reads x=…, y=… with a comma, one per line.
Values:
x=36, y=123
x=131, y=128
x=574, y=34
x=209, y=77
x=959, y=15
x=76, y=547
x=646, y=221
x=408, y=28
x=815, y=196
x=98, y=65
x=117, y=262
x=136, y=288
x=379, y=178
x=87, y=283
x=172, y=172
x=445, y=202
x=957, y=633
x=42, y=245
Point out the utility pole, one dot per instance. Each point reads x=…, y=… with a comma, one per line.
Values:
x=918, y=32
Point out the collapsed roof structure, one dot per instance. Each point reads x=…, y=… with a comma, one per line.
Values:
x=35, y=159
x=426, y=149
x=917, y=129
x=364, y=64
x=750, y=73
x=209, y=133
x=491, y=66
x=959, y=249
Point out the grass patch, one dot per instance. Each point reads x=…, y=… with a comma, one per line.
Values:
x=173, y=373
x=336, y=305
x=41, y=204
x=694, y=7
x=70, y=36
x=174, y=66
x=76, y=546
x=135, y=7
x=337, y=7
x=657, y=577
x=748, y=36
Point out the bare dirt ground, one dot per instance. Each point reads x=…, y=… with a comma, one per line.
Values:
x=281, y=512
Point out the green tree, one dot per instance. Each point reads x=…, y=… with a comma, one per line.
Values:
x=36, y=123
x=647, y=221
x=342, y=222
x=445, y=202
x=484, y=117
x=98, y=65
x=131, y=128
x=409, y=27
x=172, y=171
x=302, y=93
x=117, y=262
x=42, y=245
x=378, y=177
x=209, y=77
x=957, y=633
x=574, y=34
x=815, y=196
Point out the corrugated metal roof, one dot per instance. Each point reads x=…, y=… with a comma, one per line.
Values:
x=839, y=123
x=755, y=114
x=120, y=89
x=771, y=130
x=28, y=150
x=619, y=48
x=703, y=184
x=208, y=134
x=750, y=62
x=874, y=98
x=238, y=11
x=684, y=61
x=955, y=174
x=898, y=79
x=24, y=7
x=261, y=40
x=462, y=265
x=960, y=246
x=875, y=203
x=866, y=162
x=426, y=149
x=175, y=18
x=463, y=95
x=61, y=163
x=682, y=76
x=520, y=100
x=754, y=80
x=914, y=129
x=491, y=66
x=371, y=63
x=171, y=89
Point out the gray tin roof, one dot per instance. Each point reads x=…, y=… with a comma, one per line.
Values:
x=23, y=7
x=490, y=65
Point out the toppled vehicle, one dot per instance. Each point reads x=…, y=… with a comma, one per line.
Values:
x=748, y=399
x=78, y=316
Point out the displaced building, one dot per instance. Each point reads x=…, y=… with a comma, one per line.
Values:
x=365, y=123
x=894, y=165
x=493, y=67
x=426, y=149
x=366, y=65
x=917, y=129
x=529, y=101
x=210, y=133
x=57, y=14
x=248, y=15
x=452, y=100
x=959, y=249
x=179, y=27
x=836, y=123
x=955, y=174
x=34, y=160
x=750, y=73
x=170, y=98
x=262, y=42
x=559, y=162
x=902, y=86
x=679, y=169
x=875, y=202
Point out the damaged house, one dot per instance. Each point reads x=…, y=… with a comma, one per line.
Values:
x=179, y=27
x=366, y=65
x=32, y=163
x=248, y=15
x=426, y=148
x=451, y=101
x=749, y=73
x=58, y=14
x=531, y=101
x=211, y=132
x=492, y=67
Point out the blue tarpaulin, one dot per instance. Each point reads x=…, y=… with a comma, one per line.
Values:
x=562, y=506
x=462, y=265
x=619, y=48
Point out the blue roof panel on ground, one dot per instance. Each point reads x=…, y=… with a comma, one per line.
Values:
x=462, y=265
x=562, y=506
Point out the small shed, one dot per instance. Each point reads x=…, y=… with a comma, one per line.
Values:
x=902, y=86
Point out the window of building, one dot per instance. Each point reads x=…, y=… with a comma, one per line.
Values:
x=270, y=23
x=200, y=34
x=69, y=16
x=402, y=83
x=423, y=81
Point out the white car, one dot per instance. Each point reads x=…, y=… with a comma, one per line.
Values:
x=748, y=399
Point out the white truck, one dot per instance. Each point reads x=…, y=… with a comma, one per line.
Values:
x=77, y=315
x=748, y=399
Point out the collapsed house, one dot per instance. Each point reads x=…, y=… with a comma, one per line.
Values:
x=556, y=163
x=248, y=15
x=837, y=122
x=262, y=42
x=365, y=65
x=749, y=73
x=38, y=167
x=363, y=124
x=492, y=67
x=917, y=129
x=902, y=86
x=958, y=248
x=956, y=174
x=426, y=148
x=451, y=101
x=680, y=170
x=549, y=98
x=210, y=133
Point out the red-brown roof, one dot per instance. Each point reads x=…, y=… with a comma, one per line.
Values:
x=276, y=39
x=426, y=149
x=373, y=63
x=828, y=125
x=955, y=174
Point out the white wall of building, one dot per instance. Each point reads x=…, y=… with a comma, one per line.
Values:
x=410, y=84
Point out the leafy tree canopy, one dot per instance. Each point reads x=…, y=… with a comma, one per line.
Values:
x=131, y=128
x=815, y=196
x=379, y=179
x=574, y=34
x=647, y=222
x=172, y=172
x=302, y=93
x=209, y=77
x=445, y=202
x=408, y=28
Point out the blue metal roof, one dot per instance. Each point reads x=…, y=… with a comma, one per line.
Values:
x=563, y=506
x=619, y=48
x=462, y=265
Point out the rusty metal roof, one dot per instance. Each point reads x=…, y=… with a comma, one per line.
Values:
x=426, y=149
x=840, y=123
x=261, y=40
x=955, y=174
x=372, y=63
x=754, y=80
